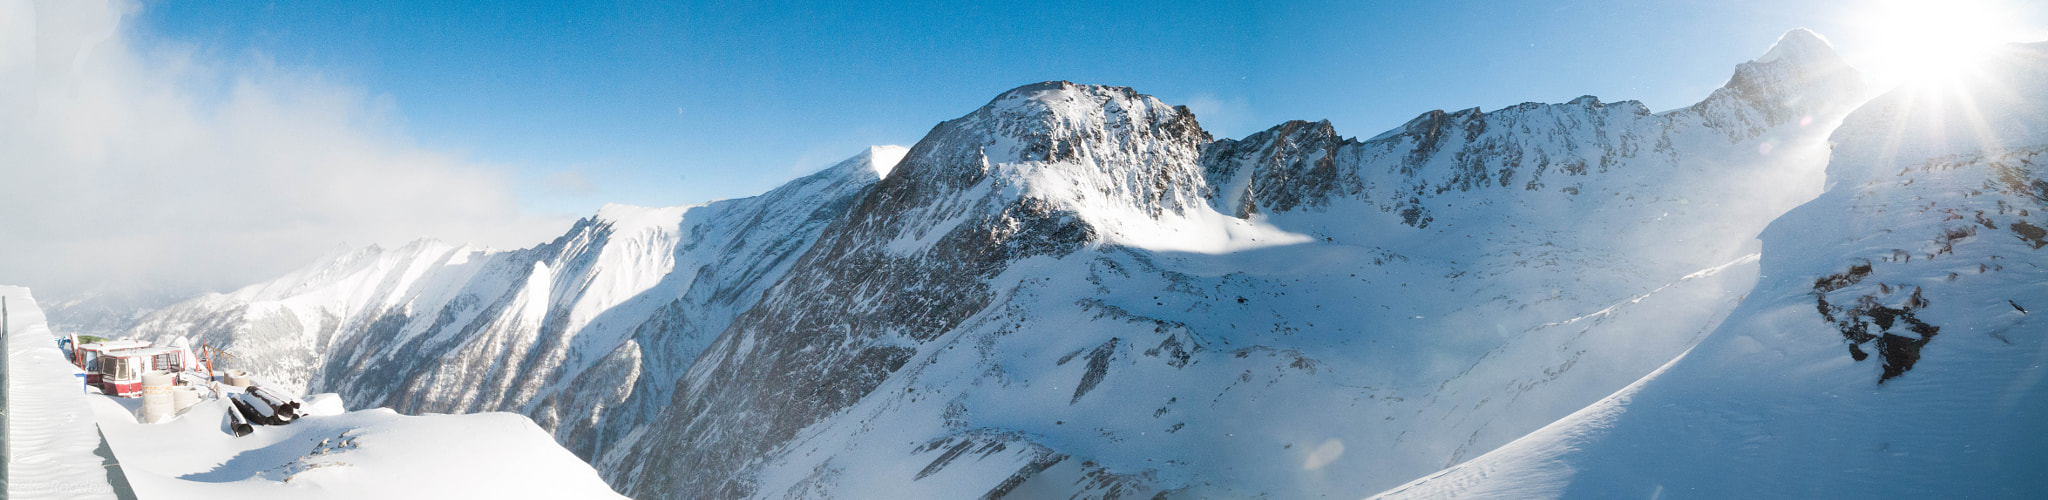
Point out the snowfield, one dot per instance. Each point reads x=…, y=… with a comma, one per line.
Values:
x=373, y=453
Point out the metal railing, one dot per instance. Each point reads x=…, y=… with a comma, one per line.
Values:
x=6, y=439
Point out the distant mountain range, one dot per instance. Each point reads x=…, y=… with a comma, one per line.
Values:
x=1076, y=291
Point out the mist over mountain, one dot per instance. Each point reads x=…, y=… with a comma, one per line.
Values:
x=1076, y=291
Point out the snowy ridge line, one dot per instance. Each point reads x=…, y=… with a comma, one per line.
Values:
x=1746, y=259
x=50, y=430
x=1475, y=478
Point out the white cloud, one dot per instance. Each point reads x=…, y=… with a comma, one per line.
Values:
x=147, y=165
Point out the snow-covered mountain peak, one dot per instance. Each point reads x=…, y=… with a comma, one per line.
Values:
x=1056, y=145
x=1800, y=80
x=1064, y=100
x=1056, y=121
x=871, y=165
x=1800, y=65
x=1802, y=47
x=626, y=215
x=882, y=159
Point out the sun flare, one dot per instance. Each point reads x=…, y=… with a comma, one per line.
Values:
x=1917, y=40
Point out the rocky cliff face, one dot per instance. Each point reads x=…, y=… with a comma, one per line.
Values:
x=1075, y=291
x=910, y=262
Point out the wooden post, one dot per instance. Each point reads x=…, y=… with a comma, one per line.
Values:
x=206, y=351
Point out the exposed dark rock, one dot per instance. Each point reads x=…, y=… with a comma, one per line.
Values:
x=2033, y=235
x=1098, y=367
x=1843, y=279
x=1898, y=352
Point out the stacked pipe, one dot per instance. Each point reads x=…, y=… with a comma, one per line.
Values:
x=238, y=422
x=267, y=407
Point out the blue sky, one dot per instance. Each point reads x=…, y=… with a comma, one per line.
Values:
x=205, y=145
x=655, y=103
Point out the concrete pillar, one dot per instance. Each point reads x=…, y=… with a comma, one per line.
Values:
x=157, y=404
x=183, y=397
x=238, y=378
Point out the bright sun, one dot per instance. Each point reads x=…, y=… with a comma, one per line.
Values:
x=1916, y=40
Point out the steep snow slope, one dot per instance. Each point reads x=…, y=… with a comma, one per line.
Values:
x=1890, y=351
x=603, y=318
x=1072, y=291
x=49, y=453
x=281, y=328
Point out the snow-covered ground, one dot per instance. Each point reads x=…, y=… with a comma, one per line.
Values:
x=56, y=427
x=50, y=436
x=373, y=453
